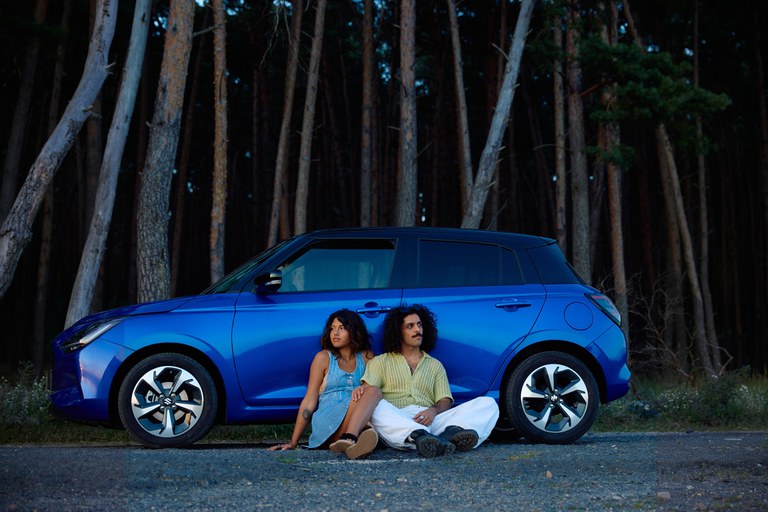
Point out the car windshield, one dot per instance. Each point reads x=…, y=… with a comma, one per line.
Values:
x=233, y=278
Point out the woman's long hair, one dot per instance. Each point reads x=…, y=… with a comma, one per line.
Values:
x=359, y=339
x=393, y=334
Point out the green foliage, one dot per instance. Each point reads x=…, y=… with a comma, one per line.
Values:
x=26, y=402
x=733, y=401
x=649, y=86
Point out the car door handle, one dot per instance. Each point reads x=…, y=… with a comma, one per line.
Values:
x=513, y=305
x=373, y=308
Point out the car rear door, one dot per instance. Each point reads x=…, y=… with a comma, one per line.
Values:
x=484, y=308
x=275, y=336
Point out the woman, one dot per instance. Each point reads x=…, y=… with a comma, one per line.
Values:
x=337, y=404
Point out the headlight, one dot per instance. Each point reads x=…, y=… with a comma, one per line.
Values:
x=86, y=335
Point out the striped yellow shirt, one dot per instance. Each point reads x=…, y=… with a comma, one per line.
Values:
x=390, y=372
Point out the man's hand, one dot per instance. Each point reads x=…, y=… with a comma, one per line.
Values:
x=357, y=393
x=426, y=417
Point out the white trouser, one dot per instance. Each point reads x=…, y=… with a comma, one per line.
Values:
x=395, y=425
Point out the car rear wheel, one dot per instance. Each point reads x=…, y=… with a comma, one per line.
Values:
x=167, y=400
x=552, y=397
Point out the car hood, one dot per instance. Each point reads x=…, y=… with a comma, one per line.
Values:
x=162, y=306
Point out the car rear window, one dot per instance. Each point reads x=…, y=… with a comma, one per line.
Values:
x=552, y=266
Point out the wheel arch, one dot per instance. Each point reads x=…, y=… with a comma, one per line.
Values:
x=576, y=351
x=160, y=348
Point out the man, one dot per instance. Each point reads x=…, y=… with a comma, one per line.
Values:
x=416, y=412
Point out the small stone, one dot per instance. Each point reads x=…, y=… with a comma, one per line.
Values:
x=663, y=496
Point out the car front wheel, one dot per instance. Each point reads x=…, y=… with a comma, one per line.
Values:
x=552, y=397
x=167, y=400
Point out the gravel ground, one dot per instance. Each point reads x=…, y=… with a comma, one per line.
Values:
x=604, y=471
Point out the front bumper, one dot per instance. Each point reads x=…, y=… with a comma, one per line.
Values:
x=83, y=380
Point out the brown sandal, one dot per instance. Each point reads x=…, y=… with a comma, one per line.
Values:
x=343, y=443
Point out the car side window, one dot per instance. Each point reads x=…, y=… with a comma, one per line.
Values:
x=445, y=264
x=339, y=265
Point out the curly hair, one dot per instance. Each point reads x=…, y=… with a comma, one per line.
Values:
x=393, y=335
x=359, y=338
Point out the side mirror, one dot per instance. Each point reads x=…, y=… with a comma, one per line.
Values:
x=269, y=283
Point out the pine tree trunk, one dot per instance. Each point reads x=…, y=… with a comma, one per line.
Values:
x=579, y=179
x=706, y=294
x=39, y=336
x=93, y=252
x=366, y=132
x=16, y=230
x=305, y=151
x=462, y=124
x=182, y=176
x=94, y=143
x=561, y=182
x=760, y=89
x=283, y=145
x=490, y=153
x=153, y=214
x=21, y=116
x=700, y=346
x=613, y=179
x=674, y=322
x=407, y=182
x=220, y=145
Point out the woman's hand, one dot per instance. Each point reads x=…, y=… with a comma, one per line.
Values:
x=357, y=393
x=286, y=446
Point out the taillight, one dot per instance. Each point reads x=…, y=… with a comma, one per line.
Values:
x=606, y=306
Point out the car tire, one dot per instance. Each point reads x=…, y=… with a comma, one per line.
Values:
x=167, y=400
x=552, y=397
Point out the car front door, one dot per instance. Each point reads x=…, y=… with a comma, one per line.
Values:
x=275, y=336
x=483, y=308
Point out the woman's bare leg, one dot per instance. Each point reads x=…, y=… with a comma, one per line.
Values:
x=359, y=412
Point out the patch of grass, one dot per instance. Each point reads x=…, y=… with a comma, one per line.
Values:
x=735, y=401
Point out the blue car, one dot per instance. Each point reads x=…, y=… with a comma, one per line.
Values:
x=516, y=323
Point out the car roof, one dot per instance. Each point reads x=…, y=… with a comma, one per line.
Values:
x=511, y=240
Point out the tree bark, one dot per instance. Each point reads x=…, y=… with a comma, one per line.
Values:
x=187, y=142
x=462, y=124
x=706, y=294
x=490, y=153
x=21, y=115
x=281, y=164
x=366, y=132
x=700, y=346
x=763, y=112
x=220, y=145
x=94, y=142
x=16, y=230
x=39, y=336
x=561, y=180
x=613, y=178
x=578, y=157
x=305, y=151
x=674, y=321
x=153, y=214
x=407, y=183
x=93, y=252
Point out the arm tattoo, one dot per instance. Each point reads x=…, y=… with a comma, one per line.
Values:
x=306, y=414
